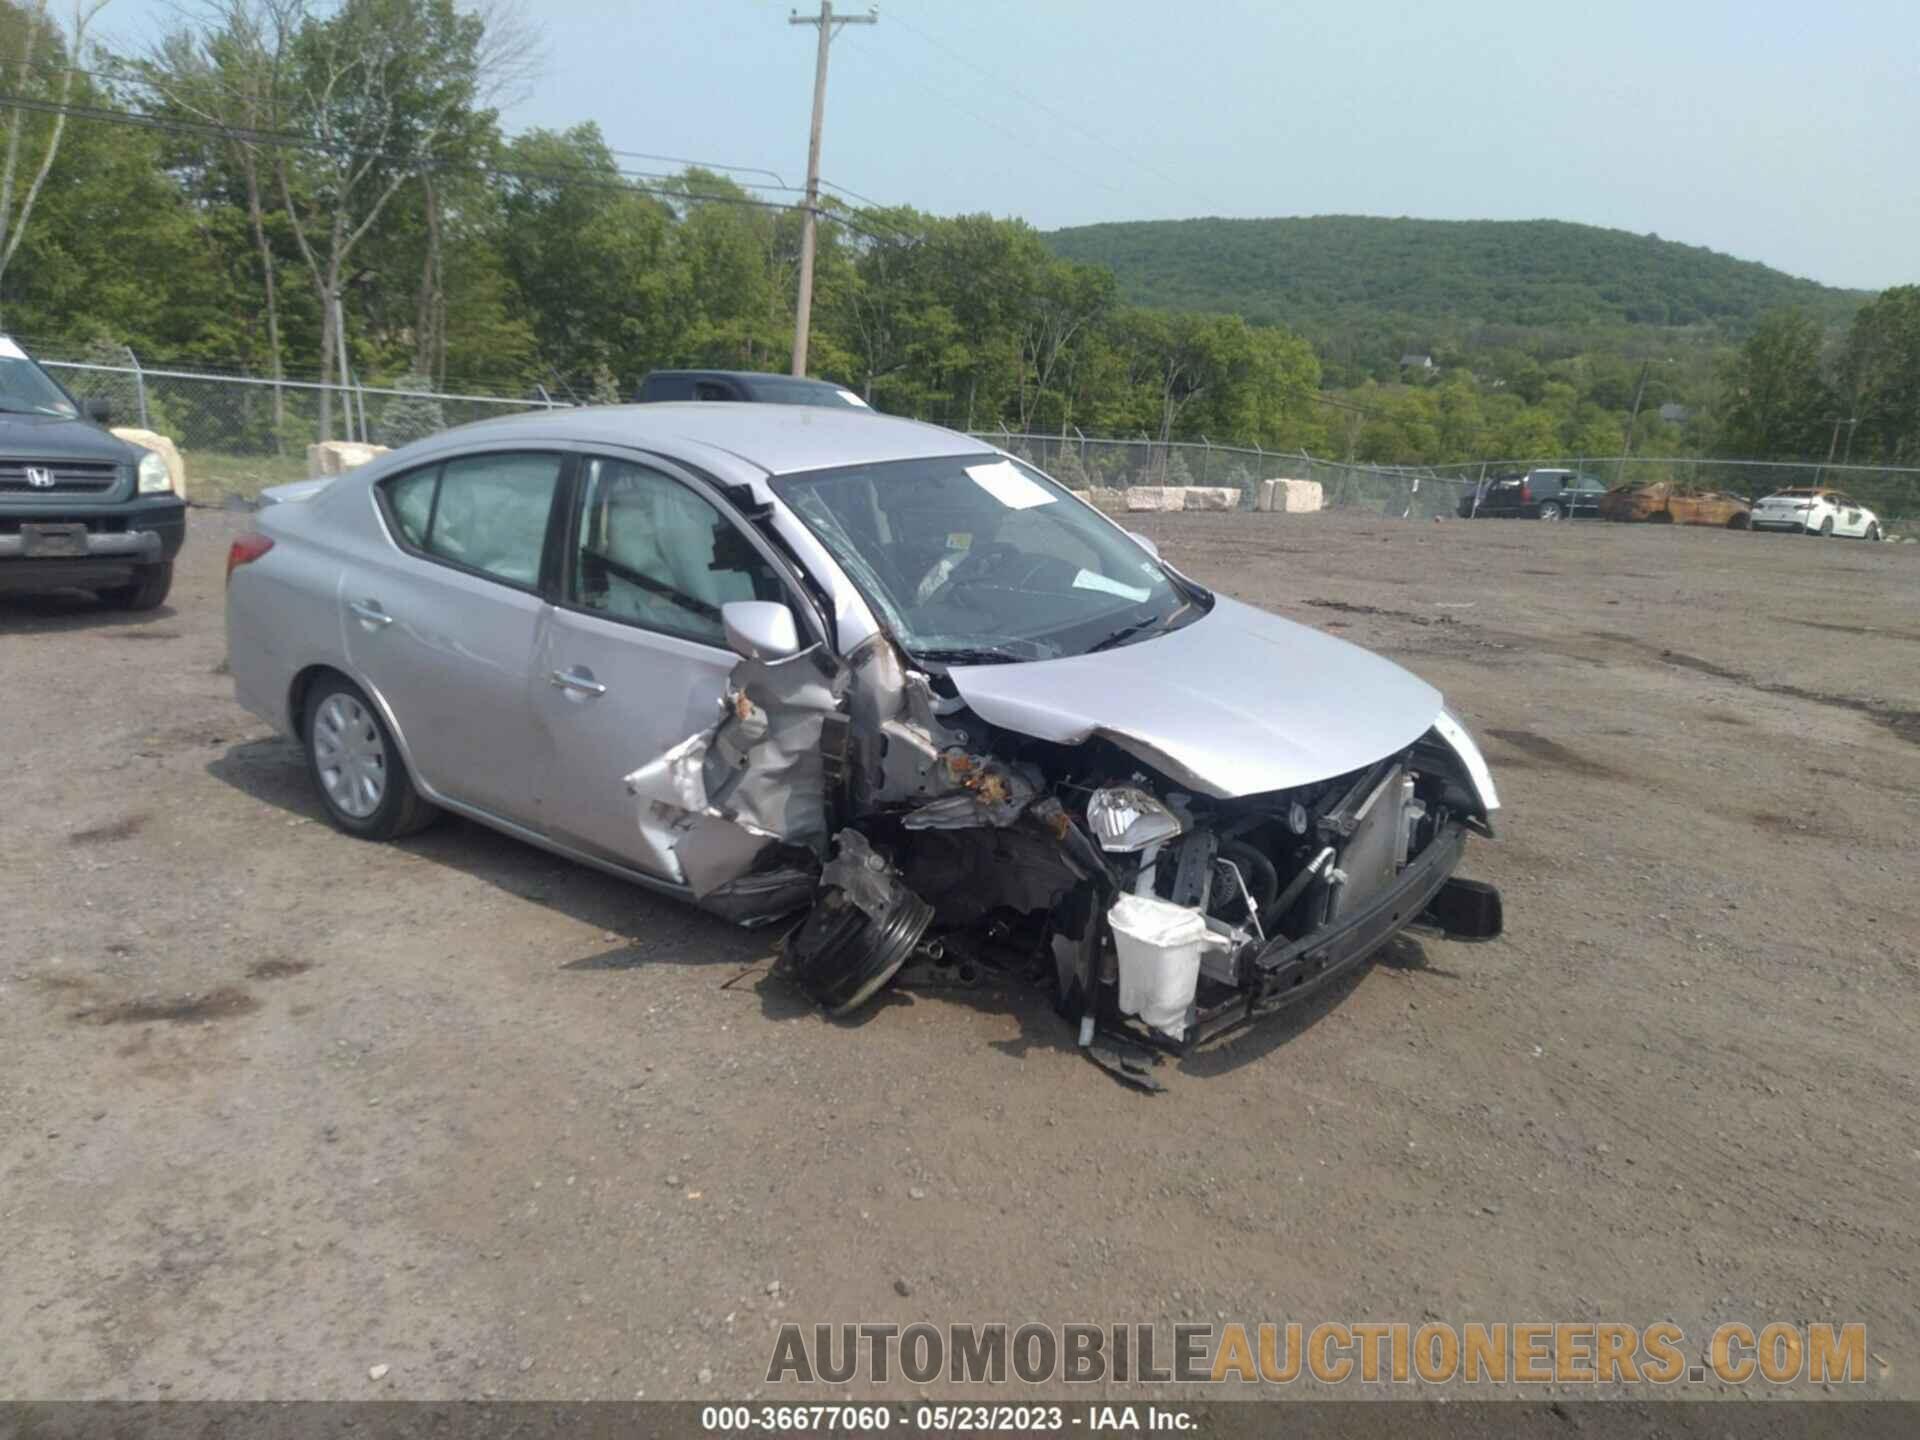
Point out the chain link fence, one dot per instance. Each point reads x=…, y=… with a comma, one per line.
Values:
x=1425, y=491
x=1086, y=462
x=237, y=432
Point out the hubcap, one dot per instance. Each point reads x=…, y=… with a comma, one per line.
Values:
x=348, y=753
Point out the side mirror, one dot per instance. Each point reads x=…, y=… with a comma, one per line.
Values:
x=96, y=410
x=1144, y=543
x=760, y=629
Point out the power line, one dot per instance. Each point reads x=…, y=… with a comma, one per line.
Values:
x=583, y=176
x=130, y=77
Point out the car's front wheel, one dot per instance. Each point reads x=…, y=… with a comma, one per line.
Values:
x=1826, y=528
x=146, y=591
x=1873, y=532
x=356, y=766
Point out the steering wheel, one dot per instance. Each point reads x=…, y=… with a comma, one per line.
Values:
x=975, y=565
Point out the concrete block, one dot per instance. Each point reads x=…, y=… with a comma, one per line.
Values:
x=1212, y=497
x=336, y=457
x=1290, y=497
x=1144, y=498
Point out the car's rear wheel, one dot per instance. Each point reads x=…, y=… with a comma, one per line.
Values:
x=1549, y=511
x=1741, y=521
x=356, y=765
x=146, y=591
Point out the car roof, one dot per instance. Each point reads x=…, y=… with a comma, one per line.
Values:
x=770, y=439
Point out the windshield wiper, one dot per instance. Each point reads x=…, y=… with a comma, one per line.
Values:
x=973, y=655
x=1127, y=632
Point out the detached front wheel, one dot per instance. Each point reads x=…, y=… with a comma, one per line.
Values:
x=356, y=765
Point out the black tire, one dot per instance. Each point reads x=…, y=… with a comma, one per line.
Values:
x=399, y=810
x=1873, y=532
x=1741, y=521
x=146, y=591
x=1550, y=511
x=1826, y=528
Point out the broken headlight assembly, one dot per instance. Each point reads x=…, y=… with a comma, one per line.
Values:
x=1125, y=819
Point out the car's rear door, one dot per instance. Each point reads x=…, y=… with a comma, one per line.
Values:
x=443, y=623
x=633, y=660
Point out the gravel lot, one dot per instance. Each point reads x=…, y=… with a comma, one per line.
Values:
x=277, y=1107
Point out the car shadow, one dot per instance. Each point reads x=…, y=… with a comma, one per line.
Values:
x=653, y=930
x=648, y=929
x=59, y=610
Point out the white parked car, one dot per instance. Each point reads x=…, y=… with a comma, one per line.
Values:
x=1816, y=512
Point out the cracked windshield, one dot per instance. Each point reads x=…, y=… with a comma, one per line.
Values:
x=983, y=560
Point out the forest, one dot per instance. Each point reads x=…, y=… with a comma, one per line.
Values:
x=271, y=185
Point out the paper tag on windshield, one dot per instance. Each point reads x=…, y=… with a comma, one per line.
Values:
x=1088, y=580
x=10, y=351
x=1007, y=485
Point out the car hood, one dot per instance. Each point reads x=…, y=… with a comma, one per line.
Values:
x=48, y=437
x=1236, y=703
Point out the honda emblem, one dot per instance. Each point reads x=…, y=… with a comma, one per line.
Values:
x=39, y=477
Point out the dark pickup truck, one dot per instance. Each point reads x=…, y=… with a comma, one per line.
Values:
x=79, y=508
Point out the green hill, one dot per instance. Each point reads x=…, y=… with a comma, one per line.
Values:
x=1435, y=281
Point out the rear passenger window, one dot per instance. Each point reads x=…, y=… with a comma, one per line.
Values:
x=410, y=500
x=484, y=512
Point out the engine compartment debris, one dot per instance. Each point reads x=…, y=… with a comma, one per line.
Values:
x=924, y=842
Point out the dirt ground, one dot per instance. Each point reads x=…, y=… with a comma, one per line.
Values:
x=277, y=1106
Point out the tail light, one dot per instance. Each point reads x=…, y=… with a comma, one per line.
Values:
x=244, y=551
x=1526, y=492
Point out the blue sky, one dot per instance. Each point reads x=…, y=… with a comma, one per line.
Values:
x=1775, y=131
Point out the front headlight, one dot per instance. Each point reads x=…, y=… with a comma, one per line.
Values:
x=1457, y=738
x=155, y=478
x=1125, y=819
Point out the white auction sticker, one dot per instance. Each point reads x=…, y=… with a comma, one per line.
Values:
x=1006, y=484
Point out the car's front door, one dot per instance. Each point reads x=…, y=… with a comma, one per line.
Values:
x=443, y=623
x=633, y=659
x=1851, y=516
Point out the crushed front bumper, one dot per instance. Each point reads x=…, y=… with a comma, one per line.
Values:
x=1287, y=972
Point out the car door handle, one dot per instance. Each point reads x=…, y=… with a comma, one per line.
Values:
x=370, y=611
x=576, y=679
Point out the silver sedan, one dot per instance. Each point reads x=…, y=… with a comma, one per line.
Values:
x=871, y=674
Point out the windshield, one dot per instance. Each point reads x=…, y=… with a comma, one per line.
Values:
x=979, y=559
x=25, y=388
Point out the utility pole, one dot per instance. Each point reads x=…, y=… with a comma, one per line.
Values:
x=803, y=311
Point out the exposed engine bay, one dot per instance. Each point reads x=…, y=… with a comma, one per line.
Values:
x=929, y=846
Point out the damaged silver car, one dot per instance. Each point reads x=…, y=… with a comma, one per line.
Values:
x=872, y=677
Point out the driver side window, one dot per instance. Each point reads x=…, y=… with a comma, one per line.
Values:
x=653, y=553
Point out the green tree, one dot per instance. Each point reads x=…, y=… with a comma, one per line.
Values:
x=1778, y=400
x=1882, y=367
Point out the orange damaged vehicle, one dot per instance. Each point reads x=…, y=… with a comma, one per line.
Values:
x=1662, y=504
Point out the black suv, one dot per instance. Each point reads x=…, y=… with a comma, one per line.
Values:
x=751, y=385
x=1535, y=495
x=79, y=508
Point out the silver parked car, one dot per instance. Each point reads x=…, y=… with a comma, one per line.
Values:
x=795, y=662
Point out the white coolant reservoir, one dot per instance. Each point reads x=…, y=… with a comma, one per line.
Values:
x=1158, y=946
